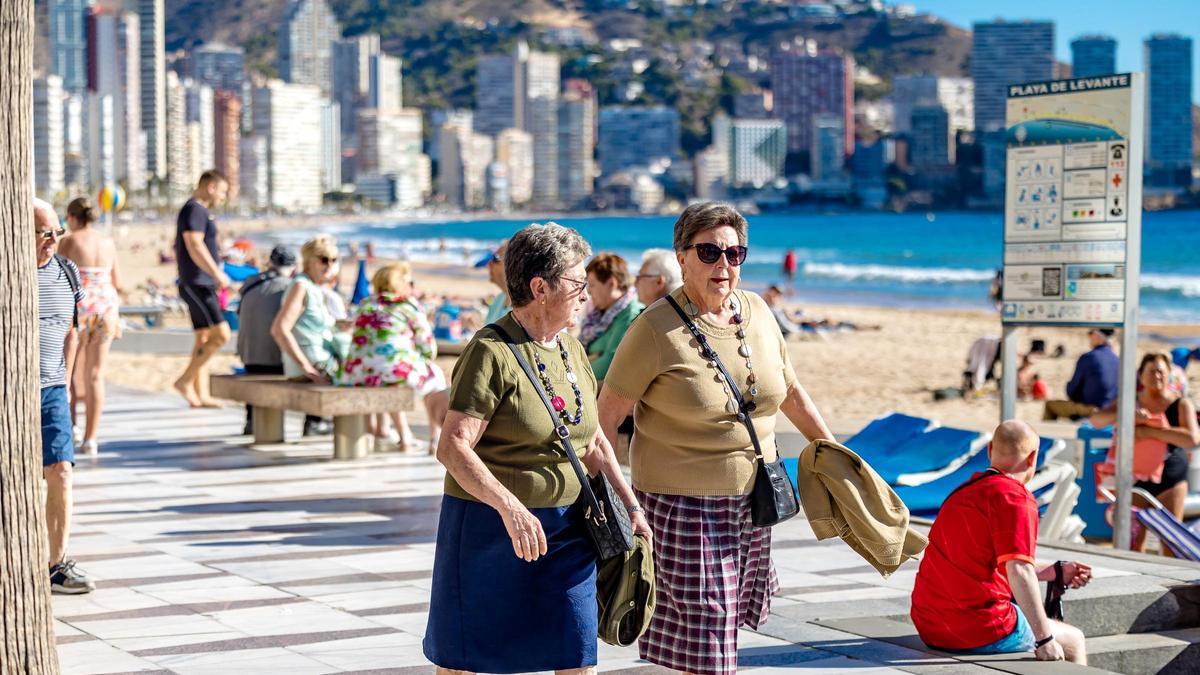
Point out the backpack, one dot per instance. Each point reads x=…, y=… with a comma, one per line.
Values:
x=73, y=281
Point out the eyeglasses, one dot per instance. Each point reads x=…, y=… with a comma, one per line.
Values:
x=328, y=261
x=648, y=276
x=52, y=234
x=710, y=253
x=577, y=285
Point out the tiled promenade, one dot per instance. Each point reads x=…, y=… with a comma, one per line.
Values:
x=213, y=558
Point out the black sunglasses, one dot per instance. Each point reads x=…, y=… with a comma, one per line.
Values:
x=711, y=253
x=327, y=261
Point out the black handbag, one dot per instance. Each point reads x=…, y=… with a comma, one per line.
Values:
x=773, y=497
x=604, y=513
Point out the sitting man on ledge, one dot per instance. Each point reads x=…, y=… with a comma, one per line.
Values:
x=981, y=557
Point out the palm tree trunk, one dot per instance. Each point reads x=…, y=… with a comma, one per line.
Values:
x=26, y=625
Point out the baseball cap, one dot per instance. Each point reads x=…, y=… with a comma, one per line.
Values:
x=281, y=256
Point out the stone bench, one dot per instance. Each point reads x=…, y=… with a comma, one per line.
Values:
x=271, y=395
x=151, y=314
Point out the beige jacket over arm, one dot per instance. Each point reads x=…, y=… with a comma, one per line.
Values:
x=844, y=497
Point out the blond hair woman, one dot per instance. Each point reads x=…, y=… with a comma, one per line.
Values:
x=304, y=326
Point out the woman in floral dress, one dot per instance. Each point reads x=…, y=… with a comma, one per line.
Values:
x=393, y=344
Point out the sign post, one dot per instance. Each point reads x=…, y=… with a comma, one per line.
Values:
x=1072, y=229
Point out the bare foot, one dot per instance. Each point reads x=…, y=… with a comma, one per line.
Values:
x=188, y=392
x=211, y=403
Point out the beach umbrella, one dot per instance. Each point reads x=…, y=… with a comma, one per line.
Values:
x=362, y=287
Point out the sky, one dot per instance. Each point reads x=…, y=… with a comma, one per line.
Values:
x=1130, y=23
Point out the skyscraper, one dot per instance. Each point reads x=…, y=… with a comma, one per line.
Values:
x=153, y=85
x=200, y=109
x=255, y=177
x=331, y=146
x=1168, y=61
x=306, y=41
x=114, y=54
x=454, y=143
x=1093, y=55
x=177, y=139
x=219, y=66
x=807, y=83
x=352, y=76
x=541, y=79
x=288, y=117
x=757, y=150
x=47, y=136
x=1004, y=53
x=955, y=94
x=634, y=136
x=930, y=146
x=99, y=140
x=496, y=82
x=514, y=148
x=576, y=142
x=227, y=119
x=68, y=43
x=828, y=147
x=385, y=88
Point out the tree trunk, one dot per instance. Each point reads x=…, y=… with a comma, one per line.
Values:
x=26, y=622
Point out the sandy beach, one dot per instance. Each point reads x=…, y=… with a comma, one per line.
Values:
x=853, y=376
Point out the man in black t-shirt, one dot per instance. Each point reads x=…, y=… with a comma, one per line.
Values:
x=200, y=278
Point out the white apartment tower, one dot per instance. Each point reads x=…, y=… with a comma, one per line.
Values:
x=288, y=117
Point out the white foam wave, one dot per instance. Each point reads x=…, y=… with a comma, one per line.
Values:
x=1187, y=286
x=908, y=275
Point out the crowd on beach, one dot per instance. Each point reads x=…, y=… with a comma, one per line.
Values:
x=670, y=370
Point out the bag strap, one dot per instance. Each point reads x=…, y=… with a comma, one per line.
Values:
x=744, y=407
x=560, y=429
x=73, y=282
x=987, y=473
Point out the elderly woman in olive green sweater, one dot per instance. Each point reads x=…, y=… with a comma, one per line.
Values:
x=514, y=573
x=614, y=307
x=692, y=460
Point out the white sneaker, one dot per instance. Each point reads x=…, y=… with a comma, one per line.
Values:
x=77, y=435
x=89, y=447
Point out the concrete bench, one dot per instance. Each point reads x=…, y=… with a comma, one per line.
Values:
x=151, y=314
x=271, y=395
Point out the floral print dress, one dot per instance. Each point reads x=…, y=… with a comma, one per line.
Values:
x=392, y=344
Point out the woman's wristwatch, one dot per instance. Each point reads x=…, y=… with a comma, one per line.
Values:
x=1044, y=641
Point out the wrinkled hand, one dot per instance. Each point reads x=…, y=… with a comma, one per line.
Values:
x=525, y=530
x=641, y=526
x=316, y=376
x=1051, y=651
x=1077, y=574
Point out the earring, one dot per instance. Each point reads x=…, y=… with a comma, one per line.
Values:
x=543, y=301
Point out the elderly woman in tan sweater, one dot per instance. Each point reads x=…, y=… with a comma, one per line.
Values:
x=693, y=462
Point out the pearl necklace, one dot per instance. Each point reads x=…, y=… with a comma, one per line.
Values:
x=744, y=351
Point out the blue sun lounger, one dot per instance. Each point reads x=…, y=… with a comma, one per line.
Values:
x=925, y=499
x=883, y=435
x=928, y=455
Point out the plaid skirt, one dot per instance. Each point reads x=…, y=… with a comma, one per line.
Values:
x=713, y=572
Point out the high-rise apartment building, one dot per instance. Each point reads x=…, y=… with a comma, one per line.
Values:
x=480, y=152
x=710, y=169
x=1093, y=55
x=48, y=135
x=576, y=142
x=930, y=143
x=389, y=141
x=542, y=82
x=153, y=64
x=255, y=193
x=331, y=146
x=100, y=140
x=497, y=82
x=454, y=142
x=828, y=147
x=200, y=111
x=227, y=120
x=75, y=141
x=114, y=70
x=1168, y=60
x=806, y=83
x=288, y=117
x=1004, y=53
x=306, y=41
x=385, y=89
x=68, y=43
x=955, y=94
x=352, y=76
x=757, y=150
x=636, y=136
x=177, y=139
x=514, y=148
x=219, y=66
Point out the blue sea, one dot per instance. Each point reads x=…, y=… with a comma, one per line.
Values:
x=896, y=260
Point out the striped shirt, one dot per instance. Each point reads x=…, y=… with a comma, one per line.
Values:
x=56, y=315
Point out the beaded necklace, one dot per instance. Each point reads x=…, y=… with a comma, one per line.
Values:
x=556, y=401
x=744, y=351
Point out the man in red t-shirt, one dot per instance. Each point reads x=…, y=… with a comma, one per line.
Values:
x=981, y=557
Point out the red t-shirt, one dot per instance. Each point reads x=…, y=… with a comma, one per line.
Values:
x=961, y=599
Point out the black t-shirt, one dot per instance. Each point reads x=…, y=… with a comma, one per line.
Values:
x=194, y=217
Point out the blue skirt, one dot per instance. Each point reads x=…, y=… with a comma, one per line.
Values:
x=490, y=611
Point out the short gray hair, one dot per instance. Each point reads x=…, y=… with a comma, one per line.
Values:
x=43, y=210
x=663, y=262
x=545, y=251
x=705, y=216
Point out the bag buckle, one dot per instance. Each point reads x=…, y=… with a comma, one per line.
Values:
x=600, y=519
x=562, y=431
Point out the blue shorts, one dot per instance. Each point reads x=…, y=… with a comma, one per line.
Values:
x=58, y=445
x=1019, y=640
